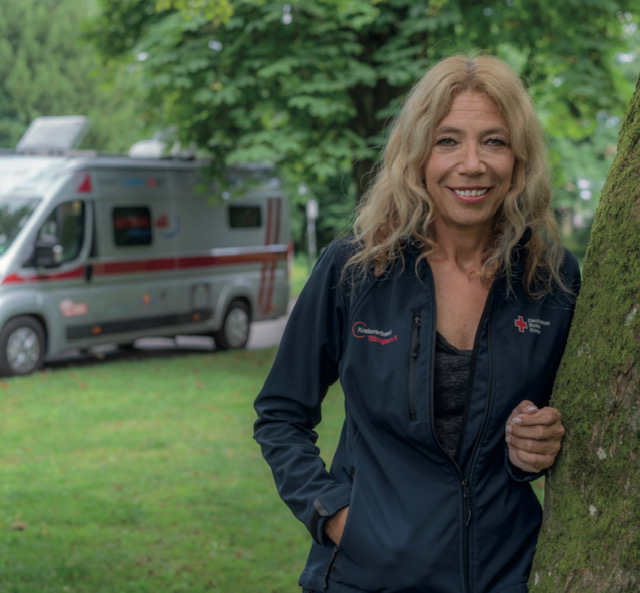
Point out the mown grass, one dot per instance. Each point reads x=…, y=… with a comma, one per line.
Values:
x=143, y=477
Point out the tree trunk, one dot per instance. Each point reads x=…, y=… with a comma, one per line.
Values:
x=590, y=536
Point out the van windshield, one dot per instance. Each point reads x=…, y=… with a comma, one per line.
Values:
x=14, y=214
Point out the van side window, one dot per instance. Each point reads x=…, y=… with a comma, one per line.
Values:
x=131, y=225
x=66, y=224
x=245, y=217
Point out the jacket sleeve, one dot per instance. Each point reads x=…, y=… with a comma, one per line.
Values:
x=289, y=404
x=572, y=279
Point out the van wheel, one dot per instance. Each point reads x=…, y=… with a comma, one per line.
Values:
x=21, y=346
x=234, y=332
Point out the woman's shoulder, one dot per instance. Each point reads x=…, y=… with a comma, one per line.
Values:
x=570, y=260
x=345, y=245
x=570, y=267
x=337, y=253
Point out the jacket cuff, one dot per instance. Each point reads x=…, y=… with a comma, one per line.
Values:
x=324, y=507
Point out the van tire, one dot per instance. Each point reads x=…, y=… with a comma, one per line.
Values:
x=234, y=333
x=21, y=346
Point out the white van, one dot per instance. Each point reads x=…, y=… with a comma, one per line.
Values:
x=105, y=249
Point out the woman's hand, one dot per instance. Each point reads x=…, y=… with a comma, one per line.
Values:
x=533, y=436
x=335, y=525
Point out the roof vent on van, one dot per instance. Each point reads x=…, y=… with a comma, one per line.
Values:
x=153, y=149
x=53, y=134
x=157, y=148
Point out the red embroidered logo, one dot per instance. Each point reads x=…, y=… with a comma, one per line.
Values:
x=533, y=326
x=360, y=330
x=521, y=324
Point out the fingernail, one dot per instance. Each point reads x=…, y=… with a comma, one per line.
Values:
x=508, y=429
x=517, y=420
x=508, y=439
x=531, y=408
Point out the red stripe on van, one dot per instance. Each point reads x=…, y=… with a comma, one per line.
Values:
x=69, y=274
x=155, y=265
x=131, y=267
x=226, y=260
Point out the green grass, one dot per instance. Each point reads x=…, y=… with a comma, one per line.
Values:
x=143, y=477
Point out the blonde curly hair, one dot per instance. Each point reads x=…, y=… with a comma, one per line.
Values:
x=397, y=206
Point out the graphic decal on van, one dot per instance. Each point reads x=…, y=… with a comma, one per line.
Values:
x=168, y=226
x=71, y=309
x=84, y=184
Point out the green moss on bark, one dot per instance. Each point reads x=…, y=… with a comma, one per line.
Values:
x=590, y=538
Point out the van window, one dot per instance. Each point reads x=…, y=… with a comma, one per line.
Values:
x=245, y=217
x=14, y=213
x=66, y=224
x=131, y=226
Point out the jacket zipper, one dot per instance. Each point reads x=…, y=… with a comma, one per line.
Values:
x=332, y=560
x=466, y=493
x=467, y=496
x=414, y=348
x=466, y=490
x=464, y=481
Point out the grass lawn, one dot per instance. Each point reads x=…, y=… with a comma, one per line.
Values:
x=143, y=477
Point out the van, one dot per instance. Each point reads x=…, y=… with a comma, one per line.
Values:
x=98, y=249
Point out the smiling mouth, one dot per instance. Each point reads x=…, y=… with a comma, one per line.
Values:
x=470, y=196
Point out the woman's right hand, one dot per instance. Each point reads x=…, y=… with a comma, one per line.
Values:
x=335, y=525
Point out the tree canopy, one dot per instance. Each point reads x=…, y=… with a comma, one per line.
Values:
x=46, y=69
x=311, y=84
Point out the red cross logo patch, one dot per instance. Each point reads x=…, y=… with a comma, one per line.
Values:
x=521, y=324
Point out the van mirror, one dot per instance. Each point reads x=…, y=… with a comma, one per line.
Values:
x=48, y=252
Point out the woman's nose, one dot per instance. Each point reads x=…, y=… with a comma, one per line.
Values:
x=471, y=162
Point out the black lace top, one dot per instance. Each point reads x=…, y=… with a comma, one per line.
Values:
x=452, y=369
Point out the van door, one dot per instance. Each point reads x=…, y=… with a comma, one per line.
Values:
x=139, y=291
x=64, y=281
x=133, y=275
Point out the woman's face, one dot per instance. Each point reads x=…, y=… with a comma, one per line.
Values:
x=470, y=166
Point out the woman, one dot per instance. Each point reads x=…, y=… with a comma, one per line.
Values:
x=444, y=317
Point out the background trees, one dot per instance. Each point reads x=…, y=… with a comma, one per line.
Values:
x=46, y=69
x=311, y=84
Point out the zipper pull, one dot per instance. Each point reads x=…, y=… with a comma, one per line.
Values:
x=467, y=497
x=415, y=335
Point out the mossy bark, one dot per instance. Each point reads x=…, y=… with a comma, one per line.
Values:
x=590, y=536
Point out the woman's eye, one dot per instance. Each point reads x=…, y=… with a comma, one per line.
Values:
x=445, y=142
x=497, y=142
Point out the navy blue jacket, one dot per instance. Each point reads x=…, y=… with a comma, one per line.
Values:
x=419, y=521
